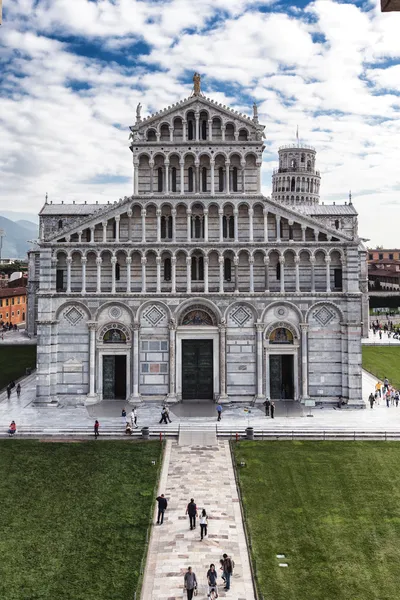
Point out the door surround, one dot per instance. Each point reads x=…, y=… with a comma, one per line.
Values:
x=108, y=351
x=283, y=349
x=201, y=332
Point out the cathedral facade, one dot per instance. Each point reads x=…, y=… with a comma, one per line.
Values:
x=197, y=286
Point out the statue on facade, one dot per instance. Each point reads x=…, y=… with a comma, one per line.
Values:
x=196, y=84
x=138, y=109
x=255, y=111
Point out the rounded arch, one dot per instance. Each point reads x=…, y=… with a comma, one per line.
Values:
x=339, y=250
x=250, y=153
x=221, y=153
x=200, y=303
x=282, y=325
x=271, y=250
x=114, y=303
x=151, y=134
x=144, y=153
x=205, y=153
x=60, y=251
x=117, y=326
x=280, y=303
x=323, y=250
x=193, y=251
x=229, y=122
x=189, y=153
x=193, y=203
x=159, y=153
x=167, y=123
x=321, y=303
x=211, y=250
x=248, y=305
x=73, y=303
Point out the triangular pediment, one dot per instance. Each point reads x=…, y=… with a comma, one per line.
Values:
x=125, y=204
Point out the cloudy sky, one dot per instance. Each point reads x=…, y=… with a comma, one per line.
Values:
x=73, y=71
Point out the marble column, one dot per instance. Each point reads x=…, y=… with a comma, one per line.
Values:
x=258, y=165
x=259, y=335
x=221, y=274
x=144, y=262
x=222, y=361
x=184, y=130
x=297, y=268
x=151, y=164
x=166, y=165
x=236, y=265
x=223, y=132
x=143, y=225
x=128, y=274
x=173, y=215
x=158, y=215
x=251, y=269
x=243, y=173
x=282, y=263
x=113, y=274
x=210, y=135
x=197, y=178
x=267, y=377
x=278, y=228
x=158, y=263
x=92, y=235
x=212, y=167
x=304, y=360
x=182, y=178
x=236, y=223
x=265, y=225
x=206, y=274
x=266, y=263
x=197, y=133
x=312, y=262
x=172, y=361
x=83, y=262
x=117, y=221
x=328, y=273
x=173, y=274
x=104, y=223
x=99, y=260
x=135, y=362
x=189, y=224
x=188, y=275
x=136, y=178
x=251, y=228
x=129, y=213
x=80, y=237
x=303, y=233
x=69, y=262
x=221, y=225
x=227, y=165
x=92, y=357
x=206, y=224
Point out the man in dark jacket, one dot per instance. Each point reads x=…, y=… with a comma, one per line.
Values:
x=191, y=510
x=162, y=507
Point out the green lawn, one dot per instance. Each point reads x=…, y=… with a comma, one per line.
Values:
x=73, y=518
x=333, y=508
x=14, y=360
x=383, y=361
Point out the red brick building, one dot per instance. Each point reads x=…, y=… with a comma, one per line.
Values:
x=13, y=305
x=384, y=269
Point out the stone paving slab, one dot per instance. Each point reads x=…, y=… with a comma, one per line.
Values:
x=206, y=474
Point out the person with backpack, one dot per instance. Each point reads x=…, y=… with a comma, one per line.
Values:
x=228, y=570
x=96, y=429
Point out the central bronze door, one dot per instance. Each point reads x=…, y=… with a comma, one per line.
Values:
x=197, y=369
x=281, y=376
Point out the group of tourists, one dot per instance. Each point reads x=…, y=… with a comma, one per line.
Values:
x=226, y=563
x=130, y=420
x=386, y=392
x=269, y=408
x=8, y=326
x=10, y=388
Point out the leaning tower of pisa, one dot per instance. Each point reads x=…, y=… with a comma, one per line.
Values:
x=296, y=181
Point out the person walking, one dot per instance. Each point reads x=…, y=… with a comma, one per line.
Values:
x=371, y=400
x=162, y=507
x=134, y=418
x=18, y=390
x=203, y=524
x=267, y=405
x=219, y=412
x=163, y=416
x=387, y=396
x=96, y=429
x=191, y=510
x=228, y=570
x=190, y=583
x=166, y=409
x=212, y=582
x=8, y=392
x=272, y=409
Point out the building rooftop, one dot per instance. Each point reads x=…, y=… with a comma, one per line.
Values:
x=327, y=209
x=8, y=292
x=71, y=209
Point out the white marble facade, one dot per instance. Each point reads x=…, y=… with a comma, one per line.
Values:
x=266, y=296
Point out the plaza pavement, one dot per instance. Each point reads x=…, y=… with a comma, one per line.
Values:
x=204, y=473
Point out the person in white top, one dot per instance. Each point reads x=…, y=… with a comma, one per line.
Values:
x=134, y=418
x=203, y=524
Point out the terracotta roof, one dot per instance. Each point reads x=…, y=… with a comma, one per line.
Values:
x=10, y=292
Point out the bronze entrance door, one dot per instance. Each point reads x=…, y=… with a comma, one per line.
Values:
x=114, y=377
x=197, y=370
x=281, y=376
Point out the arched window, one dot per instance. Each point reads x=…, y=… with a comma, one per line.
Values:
x=117, y=271
x=114, y=229
x=197, y=226
x=312, y=186
x=231, y=227
x=167, y=269
x=293, y=164
x=60, y=224
x=281, y=335
x=220, y=179
x=114, y=336
x=173, y=179
x=163, y=227
x=303, y=158
x=197, y=270
x=227, y=269
x=293, y=185
x=309, y=165
x=278, y=271
x=204, y=130
x=225, y=226
x=190, y=179
x=337, y=224
x=159, y=179
x=234, y=179
x=169, y=227
x=290, y=232
x=204, y=177
x=190, y=130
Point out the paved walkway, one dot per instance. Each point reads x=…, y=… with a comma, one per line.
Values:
x=206, y=474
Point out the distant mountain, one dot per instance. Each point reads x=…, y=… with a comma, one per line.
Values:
x=17, y=234
x=17, y=216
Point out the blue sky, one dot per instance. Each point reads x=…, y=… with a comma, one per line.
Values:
x=73, y=72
